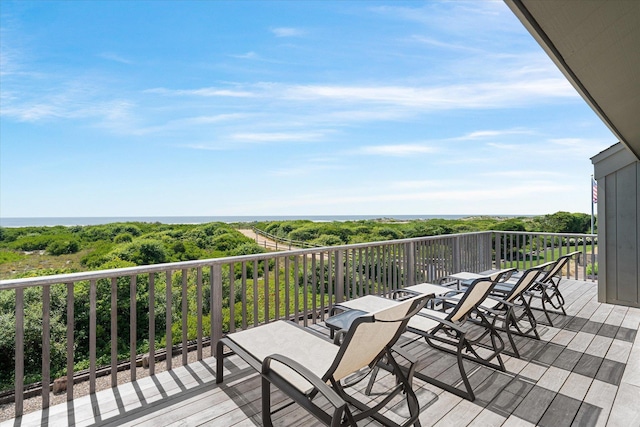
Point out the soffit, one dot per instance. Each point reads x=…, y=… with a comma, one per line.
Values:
x=596, y=44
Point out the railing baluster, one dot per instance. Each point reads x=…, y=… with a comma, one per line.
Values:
x=305, y=289
x=287, y=283
x=46, y=344
x=314, y=293
x=276, y=288
x=92, y=336
x=232, y=298
x=133, y=328
x=339, y=267
x=255, y=293
x=169, y=320
x=199, y=311
x=267, y=294
x=114, y=332
x=323, y=284
x=244, y=294
x=152, y=323
x=185, y=315
x=70, y=340
x=216, y=298
x=361, y=287
x=353, y=292
x=19, y=353
x=296, y=290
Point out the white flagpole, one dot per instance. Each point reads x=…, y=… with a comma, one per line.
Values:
x=592, y=203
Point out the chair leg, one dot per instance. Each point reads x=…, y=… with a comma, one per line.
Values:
x=266, y=403
x=219, y=362
x=510, y=317
x=372, y=380
x=463, y=372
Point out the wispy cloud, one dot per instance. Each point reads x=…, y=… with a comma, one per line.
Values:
x=206, y=91
x=456, y=96
x=482, y=134
x=441, y=44
x=115, y=57
x=416, y=185
x=522, y=174
x=400, y=150
x=248, y=55
x=305, y=170
x=277, y=137
x=287, y=32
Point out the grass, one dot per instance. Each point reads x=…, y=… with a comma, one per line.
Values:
x=14, y=264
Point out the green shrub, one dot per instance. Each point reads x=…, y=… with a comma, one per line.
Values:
x=123, y=238
x=592, y=269
x=327, y=240
x=63, y=247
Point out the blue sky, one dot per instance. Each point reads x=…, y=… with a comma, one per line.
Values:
x=127, y=108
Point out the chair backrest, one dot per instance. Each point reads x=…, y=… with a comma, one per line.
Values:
x=559, y=265
x=526, y=281
x=502, y=274
x=369, y=335
x=476, y=292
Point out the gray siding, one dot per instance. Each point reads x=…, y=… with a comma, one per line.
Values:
x=618, y=176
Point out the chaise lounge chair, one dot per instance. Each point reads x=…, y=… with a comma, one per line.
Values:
x=503, y=302
x=304, y=365
x=546, y=287
x=446, y=328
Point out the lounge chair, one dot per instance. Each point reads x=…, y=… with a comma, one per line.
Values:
x=445, y=328
x=304, y=364
x=503, y=301
x=546, y=287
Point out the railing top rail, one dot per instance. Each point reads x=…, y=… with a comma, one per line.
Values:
x=540, y=233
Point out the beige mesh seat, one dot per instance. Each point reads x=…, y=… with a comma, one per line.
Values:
x=304, y=365
x=446, y=328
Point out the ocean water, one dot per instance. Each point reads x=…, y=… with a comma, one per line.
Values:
x=68, y=221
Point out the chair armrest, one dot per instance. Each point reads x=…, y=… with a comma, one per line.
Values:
x=405, y=354
x=498, y=298
x=442, y=321
x=400, y=294
x=313, y=379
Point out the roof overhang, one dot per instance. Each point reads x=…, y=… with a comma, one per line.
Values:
x=596, y=45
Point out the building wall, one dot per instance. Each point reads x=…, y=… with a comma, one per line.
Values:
x=618, y=174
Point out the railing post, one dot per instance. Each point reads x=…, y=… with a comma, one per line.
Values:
x=456, y=254
x=19, y=352
x=497, y=250
x=410, y=263
x=216, y=303
x=339, y=291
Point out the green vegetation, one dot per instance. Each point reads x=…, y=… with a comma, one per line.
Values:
x=39, y=251
x=340, y=233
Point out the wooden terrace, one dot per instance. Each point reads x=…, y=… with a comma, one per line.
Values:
x=583, y=372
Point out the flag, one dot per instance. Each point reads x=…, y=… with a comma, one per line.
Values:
x=594, y=186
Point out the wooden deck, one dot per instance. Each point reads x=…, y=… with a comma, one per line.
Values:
x=584, y=372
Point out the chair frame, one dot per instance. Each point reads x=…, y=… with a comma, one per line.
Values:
x=547, y=289
x=451, y=337
x=506, y=295
x=340, y=402
x=455, y=339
